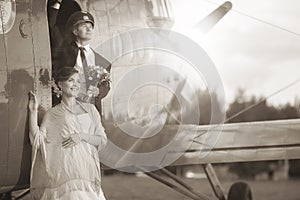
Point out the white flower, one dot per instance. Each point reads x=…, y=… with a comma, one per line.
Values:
x=93, y=91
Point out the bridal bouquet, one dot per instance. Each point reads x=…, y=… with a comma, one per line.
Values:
x=94, y=76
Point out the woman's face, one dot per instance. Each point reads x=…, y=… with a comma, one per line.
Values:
x=71, y=86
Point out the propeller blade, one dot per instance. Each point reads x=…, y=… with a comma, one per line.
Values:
x=214, y=17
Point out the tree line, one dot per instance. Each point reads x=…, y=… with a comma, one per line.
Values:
x=262, y=111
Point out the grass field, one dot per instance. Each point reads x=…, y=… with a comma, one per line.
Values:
x=128, y=187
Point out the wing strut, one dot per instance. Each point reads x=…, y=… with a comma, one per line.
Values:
x=25, y=193
x=238, y=189
x=182, y=187
x=214, y=181
x=187, y=193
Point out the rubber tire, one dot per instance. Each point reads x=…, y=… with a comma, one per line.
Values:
x=240, y=191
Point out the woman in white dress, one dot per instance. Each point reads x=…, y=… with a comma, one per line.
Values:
x=65, y=162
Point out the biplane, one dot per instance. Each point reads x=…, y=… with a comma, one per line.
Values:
x=26, y=64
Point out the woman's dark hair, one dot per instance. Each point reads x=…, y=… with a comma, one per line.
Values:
x=64, y=74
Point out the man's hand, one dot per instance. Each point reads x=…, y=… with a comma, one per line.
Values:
x=104, y=88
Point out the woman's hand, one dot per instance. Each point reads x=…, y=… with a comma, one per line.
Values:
x=71, y=141
x=33, y=102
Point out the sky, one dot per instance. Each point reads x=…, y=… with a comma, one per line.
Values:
x=255, y=46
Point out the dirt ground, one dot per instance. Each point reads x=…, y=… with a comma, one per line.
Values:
x=123, y=187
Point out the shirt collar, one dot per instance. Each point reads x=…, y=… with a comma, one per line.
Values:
x=86, y=47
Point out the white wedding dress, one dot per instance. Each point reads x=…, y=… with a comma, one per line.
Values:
x=67, y=173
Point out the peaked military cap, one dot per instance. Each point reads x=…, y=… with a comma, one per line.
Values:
x=79, y=17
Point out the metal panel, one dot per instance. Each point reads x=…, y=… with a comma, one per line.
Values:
x=19, y=40
x=29, y=70
x=3, y=111
x=42, y=54
x=19, y=60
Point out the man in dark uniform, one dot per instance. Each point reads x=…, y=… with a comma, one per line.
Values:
x=78, y=53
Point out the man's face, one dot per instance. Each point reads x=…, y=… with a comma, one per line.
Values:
x=84, y=31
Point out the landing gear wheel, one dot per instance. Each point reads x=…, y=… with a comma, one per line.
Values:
x=240, y=191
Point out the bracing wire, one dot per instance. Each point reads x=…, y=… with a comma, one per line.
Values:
x=276, y=92
x=263, y=100
x=253, y=105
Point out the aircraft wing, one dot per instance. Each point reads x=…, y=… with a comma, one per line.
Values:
x=237, y=142
x=252, y=141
